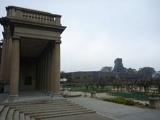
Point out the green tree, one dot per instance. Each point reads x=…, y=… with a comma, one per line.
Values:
x=131, y=71
x=87, y=80
x=106, y=69
x=62, y=74
x=146, y=72
x=157, y=74
x=157, y=82
x=70, y=80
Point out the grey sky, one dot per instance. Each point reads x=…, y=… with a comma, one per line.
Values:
x=99, y=31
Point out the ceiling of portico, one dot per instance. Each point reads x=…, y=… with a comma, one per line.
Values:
x=32, y=47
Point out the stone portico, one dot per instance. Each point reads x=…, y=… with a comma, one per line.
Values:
x=31, y=51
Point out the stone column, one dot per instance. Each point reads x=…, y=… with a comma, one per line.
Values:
x=3, y=63
x=6, y=55
x=48, y=73
x=43, y=73
x=51, y=68
x=3, y=57
x=15, y=65
x=40, y=79
x=56, y=70
x=38, y=76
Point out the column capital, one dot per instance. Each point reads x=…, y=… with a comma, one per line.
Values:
x=7, y=32
x=53, y=43
x=4, y=35
x=16, y=37
x=58, y=42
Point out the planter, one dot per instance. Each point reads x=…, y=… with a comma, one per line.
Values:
x=154, y=102
x=93, y=95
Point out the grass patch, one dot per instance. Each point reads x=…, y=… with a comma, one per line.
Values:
x=133, y=95
x=122, y=100
x=93, y=88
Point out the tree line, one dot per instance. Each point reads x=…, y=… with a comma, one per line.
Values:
x=147, y=79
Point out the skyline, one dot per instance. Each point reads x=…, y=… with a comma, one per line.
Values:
x=98, y=32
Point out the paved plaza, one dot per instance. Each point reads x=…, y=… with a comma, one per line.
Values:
x=105, y=110
x=117, y=111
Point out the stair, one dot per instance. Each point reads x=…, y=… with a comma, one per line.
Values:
x=22, y=117
x=16, y=115
x=51, y=115
x=10, y=114
x=3, y=113
x=1, y=107
x=27, y=117
x=39, y=110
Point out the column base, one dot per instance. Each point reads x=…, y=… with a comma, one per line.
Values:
x=11, y=99
x=44, y=92
x=41, y=90
x=55, y=95
x=47, y=93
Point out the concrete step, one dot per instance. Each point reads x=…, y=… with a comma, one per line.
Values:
x=10, y=114
x=44, y=107
x=39, y=105
x=37, y=102
x=52, y=110
x=16, y=115
x=39, y=110
x=61, y=115
x=68, y=112
x=3, y=114
x=22, y=117
x=27, y=117
x=91, y=116
x=32, y=118
x=1, y=108
x=49, y=108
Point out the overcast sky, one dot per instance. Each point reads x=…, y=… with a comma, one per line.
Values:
x=99, y=31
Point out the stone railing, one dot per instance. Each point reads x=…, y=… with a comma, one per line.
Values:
x=33, y=15
x=38, y=16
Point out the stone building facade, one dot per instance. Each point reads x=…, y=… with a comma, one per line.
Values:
x=31, y=51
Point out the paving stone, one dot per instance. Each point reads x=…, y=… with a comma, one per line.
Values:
x=92, y=116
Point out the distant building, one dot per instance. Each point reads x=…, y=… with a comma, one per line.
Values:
x=106, y=72
x=94, y=75
x=118, y=66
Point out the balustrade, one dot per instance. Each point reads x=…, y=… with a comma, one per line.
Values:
x=34, y=15
x=38, y=16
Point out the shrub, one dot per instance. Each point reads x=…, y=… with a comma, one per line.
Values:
x=122, y=100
